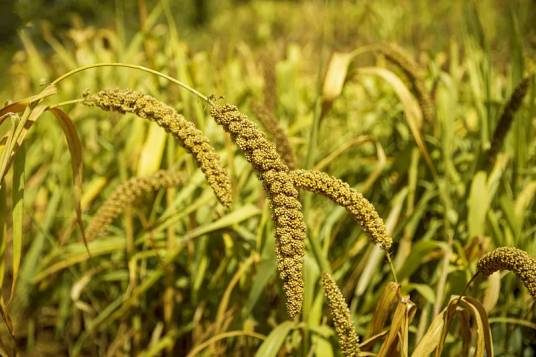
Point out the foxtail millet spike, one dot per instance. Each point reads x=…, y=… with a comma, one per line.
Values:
x=402, y=60
x=272, y=126
x=342, y=319
x=286, y=208
x=342, y=194
x=270, y=82
x=513, y=259
x=506, y=119
x=126, y=194
x=411, y=70
x=191, y=138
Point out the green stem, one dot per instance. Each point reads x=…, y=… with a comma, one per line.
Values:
x=67, y=102
x=133, y=66
x=391, y=266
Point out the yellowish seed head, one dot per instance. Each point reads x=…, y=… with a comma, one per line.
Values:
x=272, y=126
x=342, y=319
x=342, y=194
x=414, y=73
x=191, y=138
x=513, y=259
x=286, y=208
x=127, y=193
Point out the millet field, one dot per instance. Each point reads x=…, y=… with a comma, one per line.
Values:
x=268, y=178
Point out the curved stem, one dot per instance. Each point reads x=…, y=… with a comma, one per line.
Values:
x=133, y=66
x=470, y=282
x=224, y=335
x=391, y=266
x=467, y=287
x=363, y=49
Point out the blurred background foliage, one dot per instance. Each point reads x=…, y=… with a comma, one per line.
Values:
x=179, y=274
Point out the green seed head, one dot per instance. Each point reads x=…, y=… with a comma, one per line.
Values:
x=507, y=117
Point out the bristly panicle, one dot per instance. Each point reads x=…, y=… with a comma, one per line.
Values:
x=342, y=194
x=513, y=259
x=126, y=194
x=411, y=70
x=191, y=138
x=506, y=119
x=272, y=126
x=342, y=319
x=270, y=82
x=286, y=208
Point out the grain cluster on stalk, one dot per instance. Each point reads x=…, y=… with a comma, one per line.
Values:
x=270, y=82
x=512, y=259
x=191, y=138
x=266, y=112
x=342, y=194
x=411, y=70
x=126, y=194
x=273, y=127
x=286, y=208
x=507, y=117
x=342, y=319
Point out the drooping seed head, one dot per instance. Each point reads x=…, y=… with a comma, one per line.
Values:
x=126, y=194
x=506, y=119
x=342, y=194
x=401, y=59
x=286, y=208
x=191, y=138
x=512, y=259
x=342, y=319
x=413, y=72
x=272, y=126
x=270, y=82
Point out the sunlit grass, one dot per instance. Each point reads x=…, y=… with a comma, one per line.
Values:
x=181, y=274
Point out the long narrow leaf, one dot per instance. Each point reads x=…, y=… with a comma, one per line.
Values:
x=272, y=344
x=17, y=215
x=75, y=148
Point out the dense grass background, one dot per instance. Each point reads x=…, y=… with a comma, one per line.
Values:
x=178, y=273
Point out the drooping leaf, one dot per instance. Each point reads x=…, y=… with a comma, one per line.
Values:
x=273, y=342
x=335, y=76
x=383, y=308
x=432, y=337
x=75, y=148
x=413, y=113
x=17, y=216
